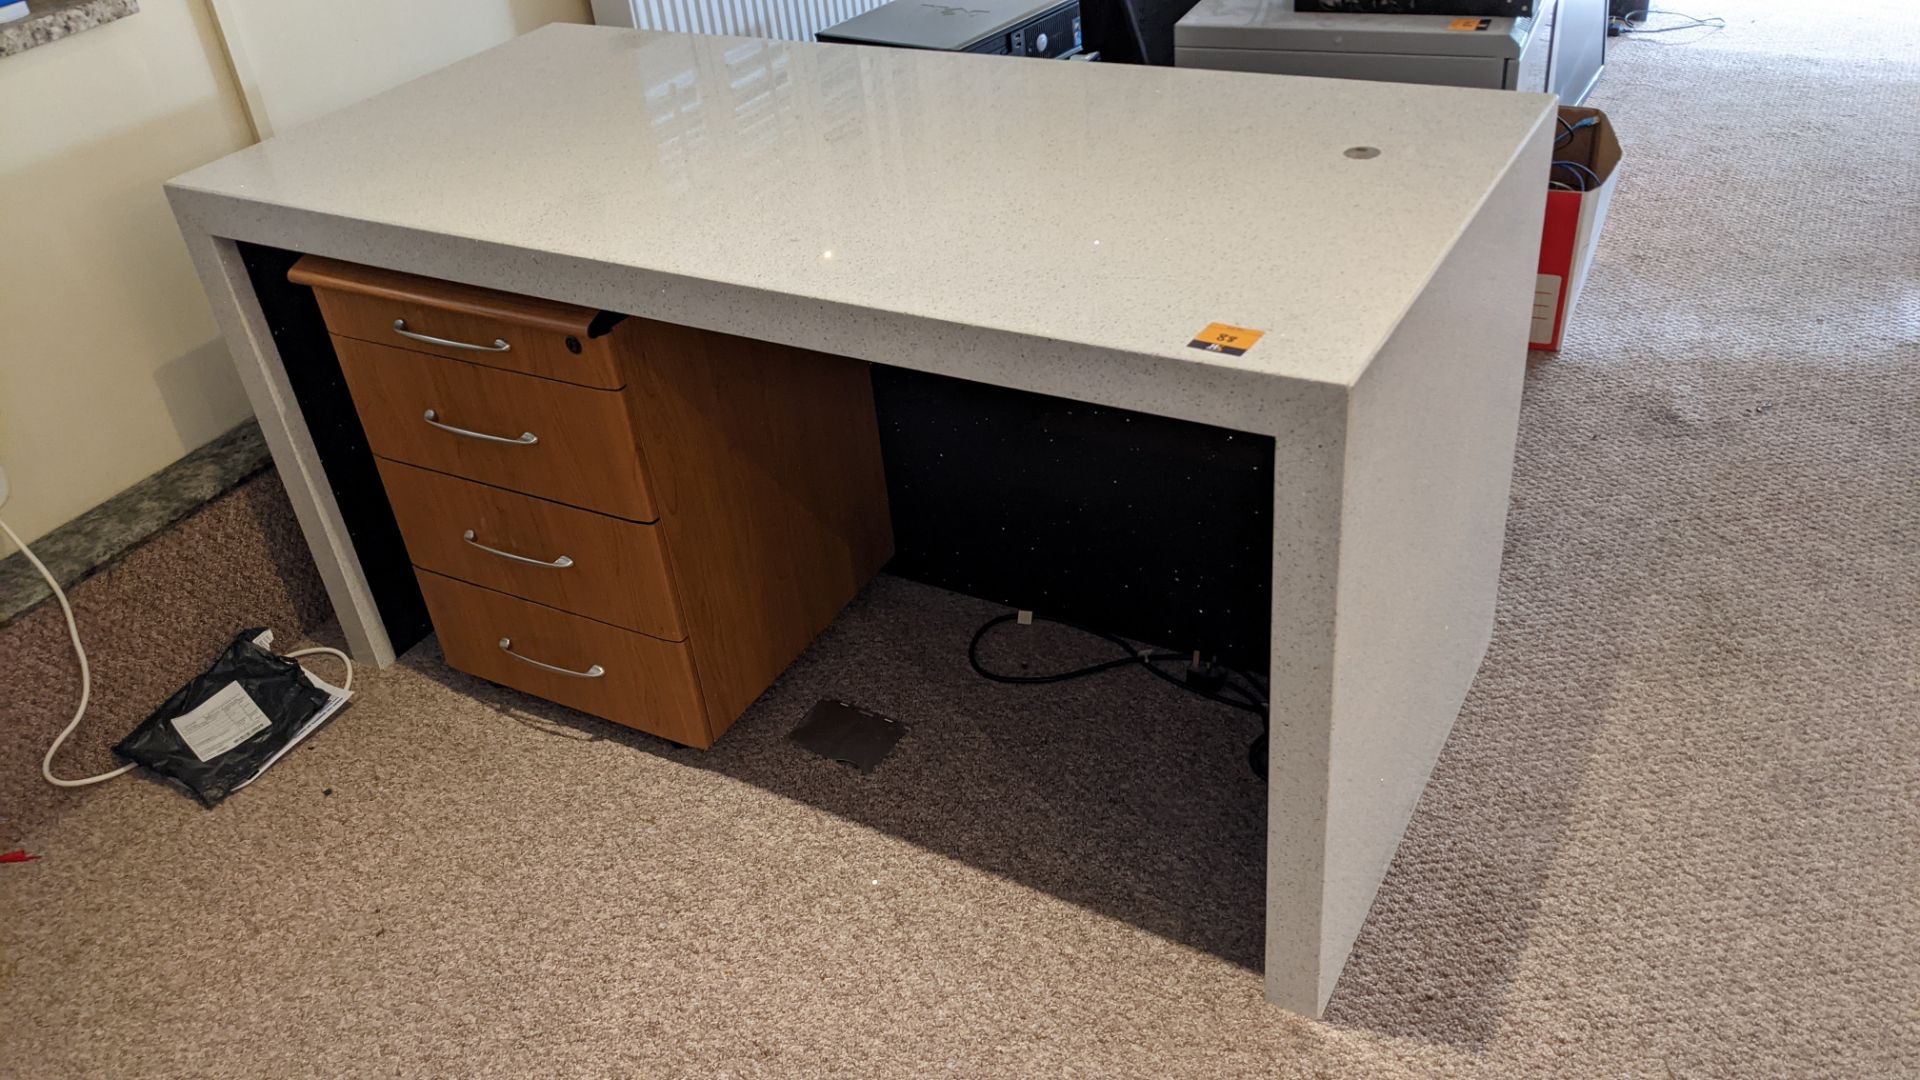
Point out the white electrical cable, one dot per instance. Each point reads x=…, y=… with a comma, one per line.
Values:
x=86, y=672
x=345, y=661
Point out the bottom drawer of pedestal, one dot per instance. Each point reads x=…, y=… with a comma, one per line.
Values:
x=616, y=674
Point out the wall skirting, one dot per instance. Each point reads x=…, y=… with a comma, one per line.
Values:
x=96, y=538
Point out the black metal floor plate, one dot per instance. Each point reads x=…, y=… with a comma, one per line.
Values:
x=848, y=734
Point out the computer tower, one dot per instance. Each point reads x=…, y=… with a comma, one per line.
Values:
x=1049, y=29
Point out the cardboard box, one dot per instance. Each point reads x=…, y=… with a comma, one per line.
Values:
x=1574, y=218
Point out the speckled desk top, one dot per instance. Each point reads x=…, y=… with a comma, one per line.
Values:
x=51, y=20
x=968, y=214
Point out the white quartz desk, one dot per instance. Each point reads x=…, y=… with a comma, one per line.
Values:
x=1066, y=229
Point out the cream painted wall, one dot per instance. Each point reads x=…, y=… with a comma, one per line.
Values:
x=300, y=61
x=110, y=368
x=110, y=365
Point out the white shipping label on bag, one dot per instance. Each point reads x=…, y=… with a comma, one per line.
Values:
x=1546, y=307
x=221, y=722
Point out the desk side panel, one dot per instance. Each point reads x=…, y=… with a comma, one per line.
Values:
x=1309, y=426
x=1429, y=456
x=237, y=311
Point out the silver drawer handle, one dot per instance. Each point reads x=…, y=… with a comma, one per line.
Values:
x=560, y=563
x=400, y=327
x=526, y=438
x=594, y=672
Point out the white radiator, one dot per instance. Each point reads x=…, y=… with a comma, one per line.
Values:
x=792, y=20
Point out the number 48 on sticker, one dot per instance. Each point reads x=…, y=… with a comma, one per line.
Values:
x=1221, y=338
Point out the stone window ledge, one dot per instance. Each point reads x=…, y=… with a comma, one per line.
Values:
x=50, y=20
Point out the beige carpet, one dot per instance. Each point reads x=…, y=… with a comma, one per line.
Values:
x=1676, y=832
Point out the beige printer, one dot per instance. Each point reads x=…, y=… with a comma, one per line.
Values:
x=1562, y=49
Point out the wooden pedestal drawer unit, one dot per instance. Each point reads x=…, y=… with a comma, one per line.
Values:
x=642, y=521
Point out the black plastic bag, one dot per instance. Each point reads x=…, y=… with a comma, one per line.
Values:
x=277, y=686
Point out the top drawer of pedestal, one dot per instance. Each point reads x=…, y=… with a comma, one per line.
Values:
x=481, y=326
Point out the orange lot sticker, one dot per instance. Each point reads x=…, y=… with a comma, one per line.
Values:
x=1221, y=338
x=1470, y=24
